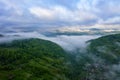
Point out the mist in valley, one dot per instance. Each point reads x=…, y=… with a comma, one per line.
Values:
x=77, y=46
x=69, y=43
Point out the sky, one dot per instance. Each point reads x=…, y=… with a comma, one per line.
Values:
x=58, y=13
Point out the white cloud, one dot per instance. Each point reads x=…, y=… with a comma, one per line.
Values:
x=112, y=7
x=69, y=43
x=110, y=20
x=61, y=13
x=42, y=12
x=86, y=10
x=88, y=5
x=10, y=5
x=80, y=12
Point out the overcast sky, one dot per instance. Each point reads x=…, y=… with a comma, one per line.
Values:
x=57, y=13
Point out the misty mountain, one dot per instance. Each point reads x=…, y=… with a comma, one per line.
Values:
x=37, y=59
x=104, y=52
x=100, y=61
x=107, y=47
x=32, y=59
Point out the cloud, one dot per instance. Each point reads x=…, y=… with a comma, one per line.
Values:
x=88, y=5
x=112, y=7
x=104, y=10
x=12, y=7
x=61, y=13
x=57, y=12
x=42, y=13
x=69, y=43
x=114, y=20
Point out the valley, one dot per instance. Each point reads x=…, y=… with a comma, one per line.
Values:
x=38, y=59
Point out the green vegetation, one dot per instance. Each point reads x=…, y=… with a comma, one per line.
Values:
x=107, y=47
x=37, y=59
x=106, y=52
x=98, y=61
x=32, y=59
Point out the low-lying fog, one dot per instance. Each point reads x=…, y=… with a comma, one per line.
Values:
x=69, y=43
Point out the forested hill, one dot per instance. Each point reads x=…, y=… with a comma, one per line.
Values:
x=107, y=48
x=105, y=56
x=32, y=59
x=37, y=59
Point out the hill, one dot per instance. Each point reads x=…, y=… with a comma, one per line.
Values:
x=37, y=59
x=105, y=57
x=100, y=61
x=32, y=59
x=107, y=47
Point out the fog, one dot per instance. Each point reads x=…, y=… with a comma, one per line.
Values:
x=72, y=42
x=69, y=43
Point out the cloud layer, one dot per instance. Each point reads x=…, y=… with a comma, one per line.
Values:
x=69, y=43
x=51, y=13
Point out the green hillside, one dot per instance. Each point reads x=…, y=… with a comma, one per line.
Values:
x=105, y=52
x=100, y=61
x=32, y=59
x=107, y=47
x=37, y=59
